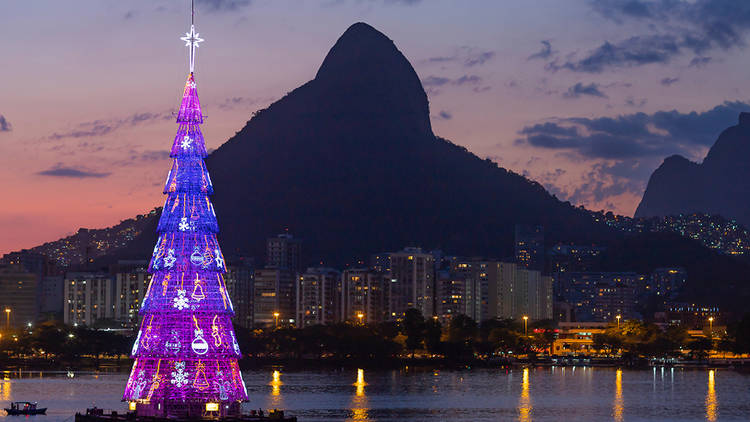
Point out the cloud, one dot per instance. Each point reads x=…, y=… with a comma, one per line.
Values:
x=544, y=53
x=632, y=102
x=634, y=51
x=467, y=80
x=59, y=170
x=478, y=58
x=445, y=115
x=636, y=135
x=222, y=5
x=104, y=127
x=5, y=124
x=579, y=89
x=699, y=61
x=432, y=82
x=675, y=27
x=669, y=81
x=466, y=56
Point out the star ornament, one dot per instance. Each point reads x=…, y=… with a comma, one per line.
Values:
x=192, y=39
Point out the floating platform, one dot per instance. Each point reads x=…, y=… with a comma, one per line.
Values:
x=99, y=415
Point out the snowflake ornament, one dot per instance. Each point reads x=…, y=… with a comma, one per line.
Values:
x=184, y=225
x=179, y=375
x=186, y=141
x=180, y=302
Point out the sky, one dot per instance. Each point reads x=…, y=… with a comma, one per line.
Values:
x=586, y=97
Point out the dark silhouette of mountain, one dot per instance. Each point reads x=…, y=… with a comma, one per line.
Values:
x=719, y=185
x=349, y=163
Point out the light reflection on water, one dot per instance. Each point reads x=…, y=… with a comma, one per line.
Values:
x=711, y=397
x=618, y=406
x=530, y=394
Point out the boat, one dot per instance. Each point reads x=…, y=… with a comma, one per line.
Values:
x=25, y=408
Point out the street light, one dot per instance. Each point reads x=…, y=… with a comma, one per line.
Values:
x=360, y=315
x=711, y=326
x=7, y=318
x=276, y=319
x=525, y=325
x=618, y=321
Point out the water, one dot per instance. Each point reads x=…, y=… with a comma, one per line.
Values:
x=541, y=394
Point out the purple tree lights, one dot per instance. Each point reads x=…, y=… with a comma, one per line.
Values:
x=186, y=351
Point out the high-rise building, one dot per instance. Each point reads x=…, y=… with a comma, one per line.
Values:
x=413, y=279
x=613, y=299
x=319, y=297
x=18, y=300
x=240, y=281
x=595, y=296
x=451, y=293
x=51, y=297
x=574, y=258
x=365, y=291
x=529, y=246
x=283, y=251
x=87, y=298
x=274, y=297
x=667, y=283
x=506, y=289
x=131, y=283
x=479, y=284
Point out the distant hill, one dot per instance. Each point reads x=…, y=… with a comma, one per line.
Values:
x=719, y=185
x=349, y=163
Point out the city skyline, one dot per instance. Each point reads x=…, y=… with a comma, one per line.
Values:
x=500, y=78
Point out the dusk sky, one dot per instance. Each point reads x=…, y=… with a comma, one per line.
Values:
x=586, y=97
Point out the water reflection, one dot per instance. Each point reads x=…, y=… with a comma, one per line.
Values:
x=359, y=404
x=5, y=390
x=618, y=405
x=711, y=398
x=276, y=399
x=524, y=404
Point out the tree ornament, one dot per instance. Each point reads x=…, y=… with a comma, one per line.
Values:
x=170, y=259
x=186, y=141
x=180, y=302
x=196, y=258
x=183, y=226
x=173, y=345
x=179, y=375
x=200, y=382
x=198, y=290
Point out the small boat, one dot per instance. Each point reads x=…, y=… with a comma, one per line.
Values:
x=25, y=408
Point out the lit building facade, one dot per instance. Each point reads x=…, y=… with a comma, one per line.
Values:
x=365, y=291
x=88, y=297
x=529, y=246
x=319, y=297
x=274, y=294
x=413, y=278
x=131, y=283
x=18, y=301
x=283, y=251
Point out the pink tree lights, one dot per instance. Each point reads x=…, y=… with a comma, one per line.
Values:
x=186, y=351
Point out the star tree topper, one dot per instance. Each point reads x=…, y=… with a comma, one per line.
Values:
x=192, y=38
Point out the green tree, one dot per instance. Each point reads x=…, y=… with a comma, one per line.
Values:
x=412, y=327
x=432, y=335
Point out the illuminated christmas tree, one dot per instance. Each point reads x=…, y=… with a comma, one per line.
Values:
x=186, y=351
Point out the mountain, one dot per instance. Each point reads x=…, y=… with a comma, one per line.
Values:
x=349, y=163
x=719, y=185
